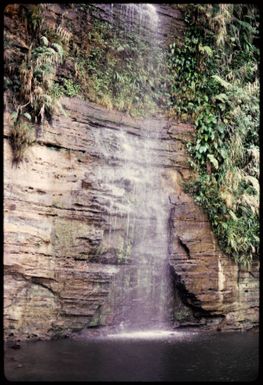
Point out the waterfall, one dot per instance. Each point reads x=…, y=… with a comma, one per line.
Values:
x=148, y=293
x=140, y=15
x=131, y=171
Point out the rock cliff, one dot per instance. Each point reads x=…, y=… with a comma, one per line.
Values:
x=62, y=254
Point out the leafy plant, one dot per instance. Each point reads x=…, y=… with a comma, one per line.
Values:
x=32, y=84
x=215, y=84
x=113, y=70
x=71, y=88
x=210, y=79
x=21, y=136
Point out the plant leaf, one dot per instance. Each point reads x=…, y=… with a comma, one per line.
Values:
x=213, y=160
x=27, y=115
x=44, y=40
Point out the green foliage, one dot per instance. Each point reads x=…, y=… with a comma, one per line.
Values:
x=31, y=79
x=35, y=18
x=215, y=84
x=119, y=70
x=71, y=88
x=111, y=67
x=21, y=136
x=209, y=78
x=42, y=70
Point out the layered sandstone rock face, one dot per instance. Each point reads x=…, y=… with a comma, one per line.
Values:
x=170, y=20
x=219, y=292
x=64, y=246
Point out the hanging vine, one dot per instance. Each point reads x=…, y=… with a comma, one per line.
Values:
x=216, y=85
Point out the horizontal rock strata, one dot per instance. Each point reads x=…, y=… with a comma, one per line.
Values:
x=65, y=224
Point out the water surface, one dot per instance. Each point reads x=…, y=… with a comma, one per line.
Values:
x=143, y=356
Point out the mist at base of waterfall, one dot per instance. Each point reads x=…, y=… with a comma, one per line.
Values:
x=148, y=356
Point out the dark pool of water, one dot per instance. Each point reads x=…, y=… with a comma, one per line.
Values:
x=183, y=356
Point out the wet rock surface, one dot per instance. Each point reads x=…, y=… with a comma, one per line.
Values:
x=75, y=215
x=170, y=18
x=66, y=223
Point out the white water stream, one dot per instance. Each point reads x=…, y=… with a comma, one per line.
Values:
x=131, y=173
x=138, y=17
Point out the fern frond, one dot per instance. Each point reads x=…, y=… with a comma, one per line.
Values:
x=221, y=81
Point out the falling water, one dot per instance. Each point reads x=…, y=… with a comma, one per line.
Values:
x=131, y=173
x=147, y=302
x=140, y=17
